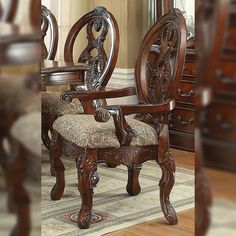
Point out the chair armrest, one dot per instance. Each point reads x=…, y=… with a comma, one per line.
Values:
x=102, y=93
x=165, y=107
x=123, y=131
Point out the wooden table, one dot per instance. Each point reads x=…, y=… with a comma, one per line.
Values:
x=55, y=73
x=19, y=45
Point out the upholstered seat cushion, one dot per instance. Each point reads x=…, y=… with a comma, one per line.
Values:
x=84, y=131
x=51, y=103
x=27, y=130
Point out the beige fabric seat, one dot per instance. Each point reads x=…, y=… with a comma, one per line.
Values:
x=27, y=130
x=84, y=131
x=51, y=103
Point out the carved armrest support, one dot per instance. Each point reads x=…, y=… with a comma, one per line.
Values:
x=123, y=131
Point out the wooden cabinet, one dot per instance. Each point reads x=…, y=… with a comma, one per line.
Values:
x=182, y=120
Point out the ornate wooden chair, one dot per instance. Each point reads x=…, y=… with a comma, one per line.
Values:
x=103, y=62
x=49, y=22
x=127, y=141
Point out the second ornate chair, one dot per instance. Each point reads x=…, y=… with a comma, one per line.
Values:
x=128, y=141
x=101, y=22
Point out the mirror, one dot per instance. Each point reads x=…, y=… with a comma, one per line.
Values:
x=187, y=7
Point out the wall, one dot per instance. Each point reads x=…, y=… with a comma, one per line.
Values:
x=132, y=18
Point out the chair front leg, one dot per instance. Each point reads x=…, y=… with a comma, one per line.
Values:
x=59, y=169
x=167, y=164
x=133, y=187
x=86, y=166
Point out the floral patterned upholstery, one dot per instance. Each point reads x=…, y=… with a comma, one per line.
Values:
x=85, y=132
x=51, y=103
x=27, y=130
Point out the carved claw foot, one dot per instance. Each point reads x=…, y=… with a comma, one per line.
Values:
x=133, y=187
x=85, y=216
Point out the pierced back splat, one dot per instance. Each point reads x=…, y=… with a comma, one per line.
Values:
x=161, y=58
x=49, y=23
x=102, y=22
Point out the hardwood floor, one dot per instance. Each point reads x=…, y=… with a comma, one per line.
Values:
x=222, y=183
x=160, y=227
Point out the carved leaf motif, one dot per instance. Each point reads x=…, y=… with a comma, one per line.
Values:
x=160, y=74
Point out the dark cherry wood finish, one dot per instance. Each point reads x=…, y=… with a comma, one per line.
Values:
x=54, y=72
x=101, y=66
x=155, y=95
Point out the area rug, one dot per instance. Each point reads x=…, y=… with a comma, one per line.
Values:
x=223, y=221
x=113, y=208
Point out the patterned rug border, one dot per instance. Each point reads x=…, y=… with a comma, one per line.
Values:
x=101, y=201
x=150, y=214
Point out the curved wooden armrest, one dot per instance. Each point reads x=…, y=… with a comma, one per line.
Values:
x=166, y=106
x=123, y=131
x=84, y=95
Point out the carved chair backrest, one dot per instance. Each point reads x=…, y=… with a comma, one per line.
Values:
x=102, y=22
x=8, y=13
x=49, y=23
x=161, y=59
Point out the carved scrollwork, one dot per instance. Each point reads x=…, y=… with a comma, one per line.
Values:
x=94, y=53
x=160, y=74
